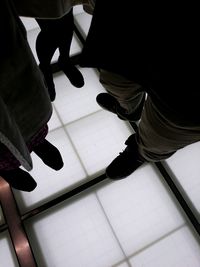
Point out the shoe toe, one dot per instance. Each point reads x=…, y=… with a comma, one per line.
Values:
x=107, y=102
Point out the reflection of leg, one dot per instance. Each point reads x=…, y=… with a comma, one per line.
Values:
x=64, y=38
x=45, y=48
x=49, y=154
x=19, y=179
x=125, y=97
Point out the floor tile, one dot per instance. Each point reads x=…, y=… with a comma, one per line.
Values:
x=184, y=164
x=139, y=209
x=98, y=139
x=78, y=9
x=7, y=254
x=29, y=23
x=74, y=235
x=82, y=22
x=54, y=121
x=73, y=103
x=178, y=249
x=52, y=183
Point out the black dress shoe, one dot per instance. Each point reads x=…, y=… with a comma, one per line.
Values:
x=72, y=73
x=108, y=102
x=127, y=161
x=19, y=179
x=49, y=154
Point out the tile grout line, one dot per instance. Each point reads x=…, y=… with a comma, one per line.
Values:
x=157, y=241
x=71, y=142
x=121, y=262
x=74, y=121
x=145, y=247
x=111, y=227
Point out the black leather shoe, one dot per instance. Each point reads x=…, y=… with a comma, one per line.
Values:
x=108, y=102
x=49, y=154
x=19, y=179
x=72, y=73
x=127, y=161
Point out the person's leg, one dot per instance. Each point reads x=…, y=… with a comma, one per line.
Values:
x=125, y=98
x=157, y=139
x=64, y=34
x=46, y=45
x=57, y=33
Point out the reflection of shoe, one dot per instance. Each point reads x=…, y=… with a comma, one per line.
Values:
x=19, y=179
x=72, y=73
x=108, y=102
x=127, y=161
x=49, y=154
x=48, y=76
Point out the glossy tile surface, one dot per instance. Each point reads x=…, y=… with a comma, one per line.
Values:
x=7, y=254
x=83, y=236
x=178, y=249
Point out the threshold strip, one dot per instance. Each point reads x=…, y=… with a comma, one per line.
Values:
x=18, y=236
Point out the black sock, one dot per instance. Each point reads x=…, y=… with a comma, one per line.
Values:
x=49, y=154
x=19, y=179
x=48, y=76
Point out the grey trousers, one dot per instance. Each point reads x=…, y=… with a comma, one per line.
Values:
x=157, y=137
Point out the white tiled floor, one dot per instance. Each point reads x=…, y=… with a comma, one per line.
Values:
x=84, y=237
x=50, y=182
x=134, y=222
x=73, y=103
x=139, y=209
x=83, y=21
x=176, y=249
x=186, y=168
x=7, y=255
x=96, y=140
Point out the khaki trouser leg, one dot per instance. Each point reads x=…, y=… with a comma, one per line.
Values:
x=127, y=93
x=157, y=137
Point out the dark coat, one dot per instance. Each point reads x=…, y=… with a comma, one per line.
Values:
x=25, y=107
x=152, y=43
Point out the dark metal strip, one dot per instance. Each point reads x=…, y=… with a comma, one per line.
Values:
x=179, y=196
x=64, y=197
x=15, y=227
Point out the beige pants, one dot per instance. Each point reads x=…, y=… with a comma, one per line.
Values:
x=157, y=137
